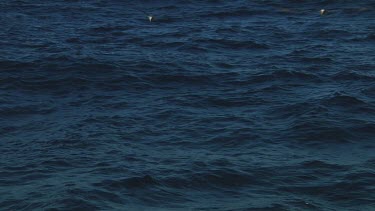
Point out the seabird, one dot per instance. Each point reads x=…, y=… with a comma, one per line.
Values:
x=150, y=17
x=323, y=12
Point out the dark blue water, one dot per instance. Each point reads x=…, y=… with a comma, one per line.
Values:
x=215, y=105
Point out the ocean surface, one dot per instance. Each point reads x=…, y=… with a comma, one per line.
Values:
x=214, y=105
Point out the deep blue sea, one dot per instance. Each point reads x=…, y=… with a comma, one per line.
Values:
x=214, y=105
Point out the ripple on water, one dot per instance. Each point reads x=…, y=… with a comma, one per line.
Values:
x=215, y=105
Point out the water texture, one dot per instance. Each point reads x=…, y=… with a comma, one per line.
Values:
x=216, y=105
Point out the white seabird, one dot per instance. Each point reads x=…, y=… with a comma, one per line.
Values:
x=149, y=16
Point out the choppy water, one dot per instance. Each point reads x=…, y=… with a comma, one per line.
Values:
x=217, y=105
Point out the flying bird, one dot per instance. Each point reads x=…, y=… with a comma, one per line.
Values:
x=149, y=16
